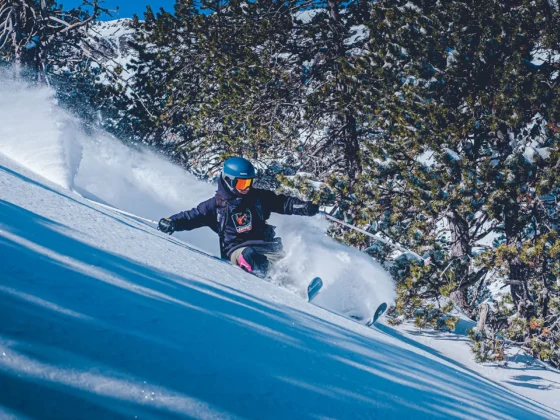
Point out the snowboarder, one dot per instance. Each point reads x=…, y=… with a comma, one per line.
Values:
x=238, y=214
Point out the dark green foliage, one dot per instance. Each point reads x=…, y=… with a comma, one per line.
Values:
x=458, y=156
x=336, y=83
x=156, y=99
x=246, y=106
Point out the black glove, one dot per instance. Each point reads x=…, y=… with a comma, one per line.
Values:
x=308, y=209
x=312, y=208
x=166, y=225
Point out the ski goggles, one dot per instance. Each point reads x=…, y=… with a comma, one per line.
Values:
x=242, y=184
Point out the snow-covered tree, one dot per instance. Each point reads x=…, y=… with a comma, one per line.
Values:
x=248, y=103
x=463, y=156
x=40, y=37
x=161, y=49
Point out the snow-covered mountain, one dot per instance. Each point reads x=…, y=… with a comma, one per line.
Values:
x=112, y=40
x=102, y=316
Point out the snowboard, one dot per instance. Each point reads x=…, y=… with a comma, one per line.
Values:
x=314, y=288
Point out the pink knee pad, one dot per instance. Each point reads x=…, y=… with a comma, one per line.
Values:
x=241, y=262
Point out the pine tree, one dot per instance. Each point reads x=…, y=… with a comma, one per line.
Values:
x=139, y=103
x=246, y=106
x=460, y=158
x=338, y=90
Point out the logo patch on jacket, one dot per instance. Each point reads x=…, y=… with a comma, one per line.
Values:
x=242, y=221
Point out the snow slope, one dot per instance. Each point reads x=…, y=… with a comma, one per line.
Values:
x=47, y=140
x=102, y=316
x=518, y=372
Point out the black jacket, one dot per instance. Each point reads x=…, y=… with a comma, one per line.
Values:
x=240, y=220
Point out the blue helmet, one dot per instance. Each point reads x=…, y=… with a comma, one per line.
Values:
x=237, y=168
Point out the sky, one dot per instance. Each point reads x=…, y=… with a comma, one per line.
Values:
x=126, y=7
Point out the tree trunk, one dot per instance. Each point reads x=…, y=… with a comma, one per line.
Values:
x=460, y=249
x=483, y=310
x=349, y=142
x=459, y=298
x=460, y=245
x=352, y=147
x=40, y=54
x=518, y=284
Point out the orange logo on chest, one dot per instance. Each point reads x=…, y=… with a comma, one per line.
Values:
x=242, y=221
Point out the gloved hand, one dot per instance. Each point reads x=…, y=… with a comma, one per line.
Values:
x=311, y=209
x=166, y=225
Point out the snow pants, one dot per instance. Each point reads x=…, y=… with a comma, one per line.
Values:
x=255, y=262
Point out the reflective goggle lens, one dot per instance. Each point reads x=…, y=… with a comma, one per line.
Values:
x=243, y=184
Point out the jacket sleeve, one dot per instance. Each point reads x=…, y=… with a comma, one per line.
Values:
x=202, y=215
x=283, y=204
